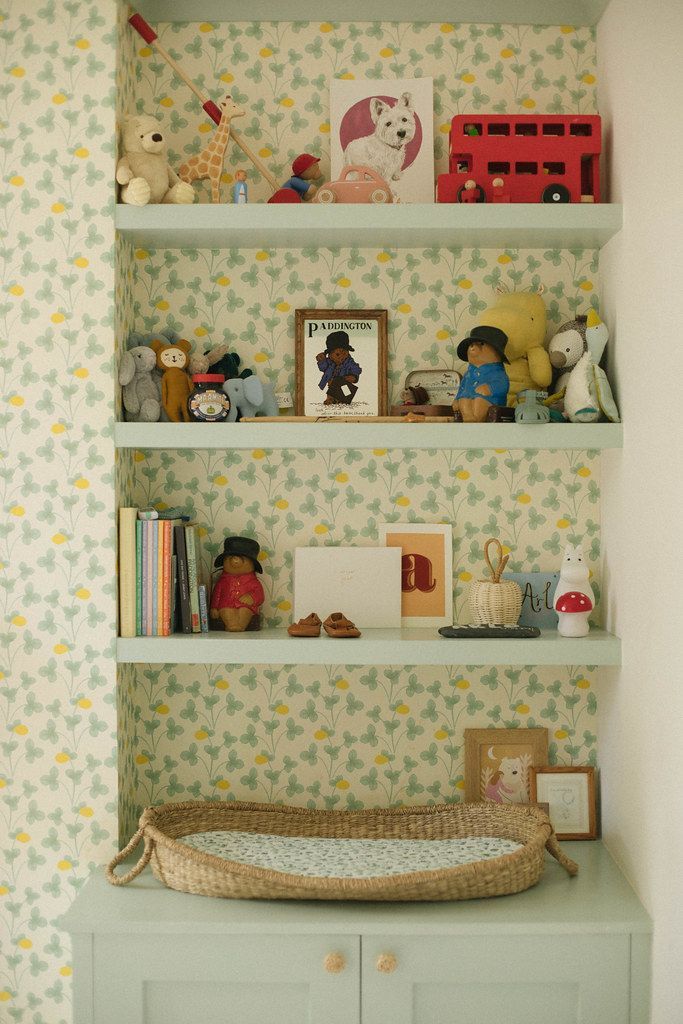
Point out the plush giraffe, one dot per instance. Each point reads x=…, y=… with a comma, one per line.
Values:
x=209, y=163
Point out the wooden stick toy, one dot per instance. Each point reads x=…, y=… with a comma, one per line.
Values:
x=211, y=108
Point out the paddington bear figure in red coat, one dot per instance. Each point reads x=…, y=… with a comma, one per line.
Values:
x=238, y=595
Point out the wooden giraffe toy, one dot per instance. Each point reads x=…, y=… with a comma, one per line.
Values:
x=209, y=163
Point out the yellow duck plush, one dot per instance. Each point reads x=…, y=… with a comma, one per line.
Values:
x=522, y=316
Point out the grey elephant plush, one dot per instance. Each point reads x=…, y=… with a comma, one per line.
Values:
x=250, y=397
x=141, y=385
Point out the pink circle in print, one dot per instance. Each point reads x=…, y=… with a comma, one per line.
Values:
x=358, y=122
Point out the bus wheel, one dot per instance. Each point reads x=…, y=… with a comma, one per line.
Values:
x=556, y=194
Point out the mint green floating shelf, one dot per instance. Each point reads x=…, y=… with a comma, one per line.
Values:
x=523, y=12
x=374, y=647
x=261, y=226
x=449, y=436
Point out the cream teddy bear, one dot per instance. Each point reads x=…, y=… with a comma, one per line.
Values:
x=143, y=170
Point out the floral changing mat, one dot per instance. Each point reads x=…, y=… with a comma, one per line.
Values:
x=347, y=858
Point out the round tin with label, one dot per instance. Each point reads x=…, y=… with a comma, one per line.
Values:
x=208, y=403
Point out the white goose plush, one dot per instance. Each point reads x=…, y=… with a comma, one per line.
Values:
x=588, y=394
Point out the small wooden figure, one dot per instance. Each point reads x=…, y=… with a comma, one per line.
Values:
x=209, y=163
x=500, y=191
x=485, y=382
x=470, y=192
x=238, y=595
x=239, y=189
x=300, y=188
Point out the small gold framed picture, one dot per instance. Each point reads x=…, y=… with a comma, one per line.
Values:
x=340, y=358
x=498, y=763
x=570, y=795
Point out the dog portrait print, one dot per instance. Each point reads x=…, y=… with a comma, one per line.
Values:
x=389, y=130
x=386, y=147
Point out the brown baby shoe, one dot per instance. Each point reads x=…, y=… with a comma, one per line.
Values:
x=310, y=626
x=337, y=625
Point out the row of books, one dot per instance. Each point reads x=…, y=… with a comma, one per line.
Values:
x=160, y=589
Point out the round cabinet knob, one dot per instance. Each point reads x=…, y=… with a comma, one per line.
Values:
x=386, y=963
x=334, y=963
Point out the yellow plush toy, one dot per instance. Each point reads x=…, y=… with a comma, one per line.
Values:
x=176, y=386
x=522, y=316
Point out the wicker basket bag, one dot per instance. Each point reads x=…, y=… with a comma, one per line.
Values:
x=495, y=602
x=182, y=867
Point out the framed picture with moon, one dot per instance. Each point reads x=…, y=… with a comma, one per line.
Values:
x=498, y=763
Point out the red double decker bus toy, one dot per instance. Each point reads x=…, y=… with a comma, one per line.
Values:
x=522, y=158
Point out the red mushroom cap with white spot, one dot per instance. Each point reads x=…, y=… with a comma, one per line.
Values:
x=573, y=601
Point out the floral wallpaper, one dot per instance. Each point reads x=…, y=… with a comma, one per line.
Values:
x=349, y=736
x=279, y=73
x=247, y=298
x=58, y=778
x=338, y=736
x=372, y=735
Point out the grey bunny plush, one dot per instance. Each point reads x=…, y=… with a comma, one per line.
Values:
x=141, y=385
x=250, y=397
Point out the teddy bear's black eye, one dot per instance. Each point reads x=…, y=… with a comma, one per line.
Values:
x=567, y=350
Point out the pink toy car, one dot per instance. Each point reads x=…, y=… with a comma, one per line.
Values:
x=357, y=184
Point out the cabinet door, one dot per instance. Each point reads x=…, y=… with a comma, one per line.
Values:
x=512, y=979
x=213, y=979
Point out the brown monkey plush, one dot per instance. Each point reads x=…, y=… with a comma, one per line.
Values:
x=176, y=386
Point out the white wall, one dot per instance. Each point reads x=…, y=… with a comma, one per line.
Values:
x=641, y=714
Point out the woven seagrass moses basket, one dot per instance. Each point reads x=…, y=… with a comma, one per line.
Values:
x=189, y=870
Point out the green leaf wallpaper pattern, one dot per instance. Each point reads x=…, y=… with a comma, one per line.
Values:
x=534, y=502
x=280, y=73
x=59, y=311
x=247, y=298
x=337, y=737
x=191, y=731
x=58, y=777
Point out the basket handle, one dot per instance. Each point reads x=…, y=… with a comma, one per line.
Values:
x=502, y=559
x=554, y=849
x=121, y=856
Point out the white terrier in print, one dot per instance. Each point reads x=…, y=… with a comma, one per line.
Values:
x=385, y=149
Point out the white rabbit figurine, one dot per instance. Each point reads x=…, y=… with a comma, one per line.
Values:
x=573, y=599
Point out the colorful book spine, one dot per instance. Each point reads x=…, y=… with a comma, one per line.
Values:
x=161, y=554
x=174, y=592
x=183, y=588
x=192, y=577
x=165, y=527
x=138, y=578
x=149, y=577
x=143, y=579
x=127, y=587
x=203, y=608
x=154, y=574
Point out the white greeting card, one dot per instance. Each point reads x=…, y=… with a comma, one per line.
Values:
x=387, y=125
x=363, y=583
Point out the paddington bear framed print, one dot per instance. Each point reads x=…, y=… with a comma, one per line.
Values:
x=426, y=571
x=341, y=363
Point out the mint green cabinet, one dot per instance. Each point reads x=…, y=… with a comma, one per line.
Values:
x=240, y=979
x=514, y=979
x=567, y=951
